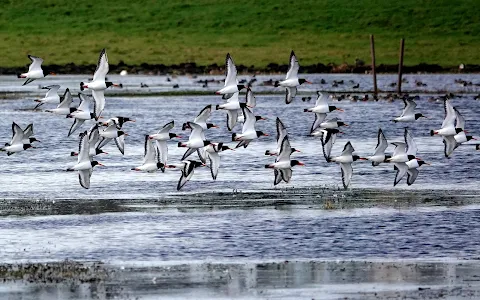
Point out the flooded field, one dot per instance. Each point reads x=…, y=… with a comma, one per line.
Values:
x=133, y=236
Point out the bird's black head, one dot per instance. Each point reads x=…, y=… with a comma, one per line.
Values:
x=458, y=130
x=95, y=163
x=120, y=133
x=160, y=165
x=410, y=157
x=32, y=139
x=469, y=138
x=295, y=162
x=419, y=115
x=185, y=126
x=302, y=80
x=340, y=123
x=172, y=135
x=122, y=120
x=226, y=148
x=241, y=87
x=99, y=151
x=109, y=84
x=92, y=116
x=421, y=162
x=197, y=164
x=332, y=108
x=243, y=104
x=258, y=118
x=26, y=146
x=48, y=71
x=206, y=143
x=260, y=133
x=210, y=125
x=355, y=157
x=387, y=157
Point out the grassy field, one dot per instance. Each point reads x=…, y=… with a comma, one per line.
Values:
x=444, y=32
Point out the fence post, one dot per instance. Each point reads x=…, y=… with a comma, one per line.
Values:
x=400, y=65
x=372, y=50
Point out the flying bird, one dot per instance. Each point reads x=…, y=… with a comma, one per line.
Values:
x=35, y=70
x=150, y=162
x=231, y=83
x=16, y=144
x=291, y=80
x=50, y=97
x=161, y=138
x=283, y=164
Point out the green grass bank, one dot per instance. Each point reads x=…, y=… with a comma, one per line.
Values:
x=257, y=33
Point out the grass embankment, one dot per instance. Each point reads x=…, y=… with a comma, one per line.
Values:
x=440, y=32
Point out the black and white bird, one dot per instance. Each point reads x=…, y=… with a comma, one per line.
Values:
x=93, y=139
x=248, y=130
x=448, y=125
x=64, y=107
x=232, y=106
x=35, y=70
x=212, y=153
x=196, y=140
x=321, y=105
x=150, y=163
x=462, y=136
x=50, y=97
x=82, y=113
x=412, y=172
x=109, y=133
x=17, y=142
x=202, y=118
x=291, y=80
x=283, y=164
x=161, y=138
x=333, y=123
x=98, y=85
x=281, y=133
x=345, y=160
x=28, y=136
x=84, y=164
x=187, y=172
x=379, y=155
x=328, y=138
x=119, y=121
x=408, y=114
x=231, y=83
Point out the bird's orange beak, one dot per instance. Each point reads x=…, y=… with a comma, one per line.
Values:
x=301, y=163
x=339, y=109
x=309, y=82
x=99, y=164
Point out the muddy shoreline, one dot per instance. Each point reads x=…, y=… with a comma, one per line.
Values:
x=272, y=68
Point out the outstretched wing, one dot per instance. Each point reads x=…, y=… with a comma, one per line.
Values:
x=411, y=147
x=204, y=114
x=382, y=143
x=120, y=142
x=232, y=117
x=36, y=64
x=278, y=177
x=214, y=160
x=286, y=174
x=102, y=66
x=322, y=101
x=412, y=175
x=99, y=97
x=347, y=172
x=348, y=149
x=291, y=92
x=76, y=124
x=450, y=144
x=319, y=118
x=231, y=71
x=402, y=169
x=409, y=108
x=250, y=99
x=293, y=67
x=84, y=178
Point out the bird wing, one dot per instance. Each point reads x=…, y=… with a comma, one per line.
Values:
x=450, y=144
x=102, y=142
x=450, y=114
x=149, y=152
x=285, y=150
x=76, y=124
x=204, y=114
x=83, y=148
x=400, y=148
x=347, y=172
x=292, y=67
x=202, y=154
x=94, y=135
x=120, y=142
x=28, y=132
x=231, y=71
x=250, y=99
x=162, y=149
x=412, y=175
x=66, y=100
x=460, y=120
x=99, y=97
x=382, y=143
x=319, y=118
x=52, y=90
x=322, y=101
x=84, y=102
x=278, y=176
x=409, y=108
x=188, y=153
x=197, y=132
x=281, y=131
x=411, y=147
x=102, y=66
x=232, y=117
x=243, y=143
x=234, y=98
x=166, y=128
x=249, y=124
x=84, y=177
x=214, y=160
x=348, y=149
x=291, y=92
x=327, y=143
x=286, y=174
x=36, y=63
x=402, y=169
x=17, y=134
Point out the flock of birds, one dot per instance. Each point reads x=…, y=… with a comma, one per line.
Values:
x=404, y=157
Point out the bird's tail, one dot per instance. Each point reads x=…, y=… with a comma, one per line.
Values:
x=432, y=132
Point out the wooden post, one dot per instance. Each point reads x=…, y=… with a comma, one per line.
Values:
x=372, y=50
x=400, y=65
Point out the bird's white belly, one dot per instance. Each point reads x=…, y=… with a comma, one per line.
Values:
x=289, y=82
x=96, y=85
x=82, y=166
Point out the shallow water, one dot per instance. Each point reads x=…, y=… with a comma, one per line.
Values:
x=219, y=244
